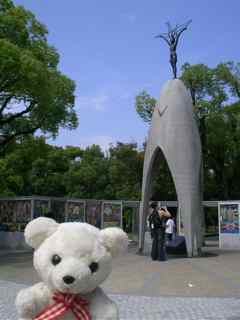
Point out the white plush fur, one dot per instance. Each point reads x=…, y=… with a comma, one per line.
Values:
x=38, y=230
x=115, y=240
x=78, y=245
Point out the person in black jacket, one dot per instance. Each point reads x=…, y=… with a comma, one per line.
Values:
x=157, y=222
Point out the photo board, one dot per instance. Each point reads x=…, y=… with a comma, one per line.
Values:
x=229, y=232
x=75, y=211
x=93, y=213
x=111, y=214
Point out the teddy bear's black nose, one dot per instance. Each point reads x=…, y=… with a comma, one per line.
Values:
x=68, y=279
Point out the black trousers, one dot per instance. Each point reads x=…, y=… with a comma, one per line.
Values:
x=169, y=236
x=158, y=245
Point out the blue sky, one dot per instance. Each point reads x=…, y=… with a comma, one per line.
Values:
x=108, y=48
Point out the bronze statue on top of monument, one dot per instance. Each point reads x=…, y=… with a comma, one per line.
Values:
x=172, y=38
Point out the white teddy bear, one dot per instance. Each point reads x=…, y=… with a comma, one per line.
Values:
x=72, y=259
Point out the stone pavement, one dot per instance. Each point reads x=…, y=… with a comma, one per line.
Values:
x=145, y=308
x=203, y=288
x=217, y=274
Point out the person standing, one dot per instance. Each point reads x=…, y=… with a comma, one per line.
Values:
x=170, y=228
x=157, y=222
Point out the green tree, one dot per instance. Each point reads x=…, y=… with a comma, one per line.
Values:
x=47, y=173
x=205, y=88
x=144, y=105
x=34, y=167
x=229, y=74
x=40, y=167
x=88, y=176
x=162, y=185
x=11, y=182
x=125, y=170
x=208, y=95
x=224, y=153
x=34, y=94
x=20, y=160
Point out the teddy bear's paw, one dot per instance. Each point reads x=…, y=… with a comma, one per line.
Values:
x=113, y=315
x=26, y=305
x=110, y=311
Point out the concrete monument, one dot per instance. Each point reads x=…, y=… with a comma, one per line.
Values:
x=174, y=133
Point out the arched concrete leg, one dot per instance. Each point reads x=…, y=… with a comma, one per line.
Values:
x=191, y=223
x=202, y=217
x=188, y=200
x=174, y=131
x=146, y=192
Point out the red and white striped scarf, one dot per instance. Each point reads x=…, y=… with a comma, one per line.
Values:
x=64, y=302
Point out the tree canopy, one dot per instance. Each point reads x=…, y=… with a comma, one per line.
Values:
x=32, y=166
x=145, y=105
x=34, y=94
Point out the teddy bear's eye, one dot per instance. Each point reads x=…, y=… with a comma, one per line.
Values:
x=56, y=259
x=93, y=267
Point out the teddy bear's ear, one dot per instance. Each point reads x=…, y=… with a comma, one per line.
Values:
x=115, y=240
x=38, y=230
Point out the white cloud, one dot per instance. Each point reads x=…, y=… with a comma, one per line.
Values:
x=108, y=97
x=97, y=103
x=102, y=141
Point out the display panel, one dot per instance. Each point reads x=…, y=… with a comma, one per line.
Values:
x=229, y=218
x=14, y=214
x=112, y=214
x=229, y=235
x=58, y=210
x=23, y=211
x=93, y=214
x=41, y=208
x=7, y=216
x=76, y=211
x=7, y=211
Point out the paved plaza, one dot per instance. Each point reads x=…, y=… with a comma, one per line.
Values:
x=181, y=288
x=145, y=308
